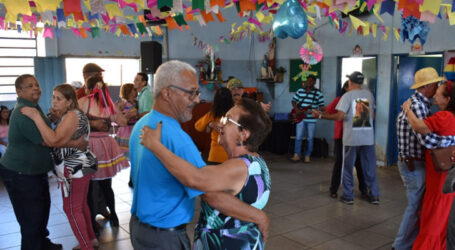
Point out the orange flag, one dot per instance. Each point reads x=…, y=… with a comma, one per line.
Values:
x=171, y=23
x=207, y=17
x=220, y=17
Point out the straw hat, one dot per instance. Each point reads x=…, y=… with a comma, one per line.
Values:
x=426, y=76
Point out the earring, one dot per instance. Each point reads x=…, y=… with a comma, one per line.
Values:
x=239, y=143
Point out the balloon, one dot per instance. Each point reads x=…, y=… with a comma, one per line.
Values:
x=290, y=20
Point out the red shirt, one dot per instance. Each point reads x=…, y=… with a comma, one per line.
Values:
x=338, y=124
x=80, y=93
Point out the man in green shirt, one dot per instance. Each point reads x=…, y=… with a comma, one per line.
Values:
x=145, y=98
x=24, y=169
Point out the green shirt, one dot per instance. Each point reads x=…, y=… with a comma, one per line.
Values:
x=25, y=152
x=145, y=100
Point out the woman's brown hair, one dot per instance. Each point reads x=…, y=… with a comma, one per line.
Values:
x=68, y=92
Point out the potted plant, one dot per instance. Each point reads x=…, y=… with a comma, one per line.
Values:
x=279, y=76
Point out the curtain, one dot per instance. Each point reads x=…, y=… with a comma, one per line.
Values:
x=50, y=72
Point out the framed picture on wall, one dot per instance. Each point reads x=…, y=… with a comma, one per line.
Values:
x=299, y=71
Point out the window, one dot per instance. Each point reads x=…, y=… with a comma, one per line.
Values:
x=16, y=58
x=117, y=71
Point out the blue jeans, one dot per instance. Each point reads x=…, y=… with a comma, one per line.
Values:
x=304, y=129
x=367, y=156
x=415, y=188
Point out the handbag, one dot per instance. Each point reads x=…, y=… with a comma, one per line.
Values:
x=442, y=158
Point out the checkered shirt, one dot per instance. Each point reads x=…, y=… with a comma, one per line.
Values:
x=412, y=144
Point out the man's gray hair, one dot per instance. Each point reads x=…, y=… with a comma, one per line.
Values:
x=169, y=73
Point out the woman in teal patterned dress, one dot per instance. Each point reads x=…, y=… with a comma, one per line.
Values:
x=244, y=175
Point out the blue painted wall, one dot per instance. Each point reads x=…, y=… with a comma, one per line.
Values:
x=242, y=59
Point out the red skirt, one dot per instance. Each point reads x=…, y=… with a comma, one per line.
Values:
x=110, y=158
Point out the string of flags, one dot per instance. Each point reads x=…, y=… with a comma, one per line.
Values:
x=89, y=18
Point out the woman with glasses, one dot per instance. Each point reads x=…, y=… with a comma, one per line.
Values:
x=244, y=175
x=222, y=102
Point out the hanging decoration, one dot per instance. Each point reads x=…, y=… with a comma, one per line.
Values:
x=311, y=52
x=290, y=20
x=449, y=70
x=412, y=28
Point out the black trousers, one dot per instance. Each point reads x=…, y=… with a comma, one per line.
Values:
x=29, y=195
x=337, y=167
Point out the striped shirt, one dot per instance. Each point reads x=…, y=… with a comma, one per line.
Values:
x=412, y=144
x=310, y=100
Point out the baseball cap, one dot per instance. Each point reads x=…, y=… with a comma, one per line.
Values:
x=234, y=83
x=92, y=67
x=356, y=77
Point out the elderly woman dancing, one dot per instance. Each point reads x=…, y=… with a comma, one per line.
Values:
x=244, y=175
x=74, y=167
x=436, y=205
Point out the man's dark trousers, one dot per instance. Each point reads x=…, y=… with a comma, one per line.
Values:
x=29, y=195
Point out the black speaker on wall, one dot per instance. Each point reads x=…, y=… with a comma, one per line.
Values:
x=151, y=56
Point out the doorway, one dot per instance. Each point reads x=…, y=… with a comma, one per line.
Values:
x=366, y=65
x=404, y=68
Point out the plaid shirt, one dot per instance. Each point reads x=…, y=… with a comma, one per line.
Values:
x=412, y=144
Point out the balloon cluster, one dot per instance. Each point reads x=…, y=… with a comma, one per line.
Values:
x=290, y=20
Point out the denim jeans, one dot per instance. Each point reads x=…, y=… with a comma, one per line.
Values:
x=367, y=156
x=304, y=129
x=29, y=195
x=414, y=183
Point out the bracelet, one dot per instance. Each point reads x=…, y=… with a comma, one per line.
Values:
x=320, y=116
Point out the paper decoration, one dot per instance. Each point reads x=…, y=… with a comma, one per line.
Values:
x=311, y=53
x=449, y=70
x=412, y=28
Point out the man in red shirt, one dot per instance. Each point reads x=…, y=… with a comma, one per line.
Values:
x=89, y=70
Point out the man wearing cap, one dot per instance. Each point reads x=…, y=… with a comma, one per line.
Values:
x=411, y=153
x=144, y=97
x=236, y=88
x=305, y=99
x=356, y=109
x=89, y=70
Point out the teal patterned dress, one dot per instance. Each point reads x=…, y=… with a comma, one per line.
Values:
x=216, y=231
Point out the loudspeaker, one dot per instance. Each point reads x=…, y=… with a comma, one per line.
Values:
x=151, y=56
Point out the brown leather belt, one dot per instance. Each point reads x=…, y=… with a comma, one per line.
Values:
x=410, y=162
x=410, y=158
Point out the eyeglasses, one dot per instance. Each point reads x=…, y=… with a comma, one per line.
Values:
x=226, y=119
x=193, y=93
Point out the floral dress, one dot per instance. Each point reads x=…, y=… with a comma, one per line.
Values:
x=218, y=231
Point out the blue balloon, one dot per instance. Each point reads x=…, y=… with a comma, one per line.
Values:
x=290, y=20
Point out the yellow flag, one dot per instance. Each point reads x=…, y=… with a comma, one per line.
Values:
x=43, y=5
x=260, y=16
x=396, y=33
x=451, y=16
x=366, y=29
x=375, y=11
x=373, y=29
x=356, y=22
x=113, y=10
x=430, y=5
x=386, y=34
x=15, y=7
x=268, y=19
x=140, y=3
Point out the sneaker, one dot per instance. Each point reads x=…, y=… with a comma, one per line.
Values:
x=347, y=201
x=307, y=159
x=295, y=158
x=373, y=200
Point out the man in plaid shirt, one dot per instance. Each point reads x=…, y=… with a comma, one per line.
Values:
x=411, y=153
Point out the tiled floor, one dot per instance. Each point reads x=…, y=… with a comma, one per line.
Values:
x=303, y=216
